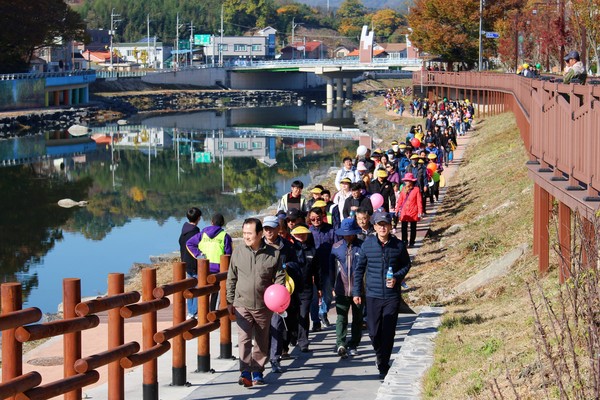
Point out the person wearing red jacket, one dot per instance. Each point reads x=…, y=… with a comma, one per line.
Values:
x=409, y=208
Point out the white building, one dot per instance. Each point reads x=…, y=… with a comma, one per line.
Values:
x=150, y=54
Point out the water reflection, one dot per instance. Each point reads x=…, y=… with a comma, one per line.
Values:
x=139, y=180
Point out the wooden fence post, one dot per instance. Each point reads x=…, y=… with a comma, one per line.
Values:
x=203, y=302
x=179, y=370
x=72, y=341
x=12, y=349
x=564, y=238
x=116, y=337
x=150, y=373
x=225, y=330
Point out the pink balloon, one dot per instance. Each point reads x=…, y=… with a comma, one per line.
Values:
x=277, y=298
x=376, y=200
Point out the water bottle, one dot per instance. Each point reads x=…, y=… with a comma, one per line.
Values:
x=352, y=214
x=389, y=276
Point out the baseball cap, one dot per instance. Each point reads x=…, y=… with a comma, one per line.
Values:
x=271, y=221
x=382, y=217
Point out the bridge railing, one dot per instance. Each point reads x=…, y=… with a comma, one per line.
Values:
x=43, y=75
x=19, y=325
x=562, y=121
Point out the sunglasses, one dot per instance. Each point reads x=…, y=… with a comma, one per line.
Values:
x=315, y=219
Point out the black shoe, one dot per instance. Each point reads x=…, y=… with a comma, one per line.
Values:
x=306, y=350
x=276, y=367
x=285, y=355
x=411, y=245
x=316, y=328
x=342, y=352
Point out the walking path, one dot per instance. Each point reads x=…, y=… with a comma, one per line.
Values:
x=320, y=374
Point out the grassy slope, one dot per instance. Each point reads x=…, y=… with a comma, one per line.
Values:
x=489, y=331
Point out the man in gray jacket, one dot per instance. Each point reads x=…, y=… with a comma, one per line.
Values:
x=253, y=267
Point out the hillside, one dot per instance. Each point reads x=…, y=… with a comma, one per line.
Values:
x=401, y=5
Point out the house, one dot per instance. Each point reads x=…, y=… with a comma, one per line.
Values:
x=148, y=52
x=313, y=50
x=377, y=53
x=269, y=33
x=341, y=51
x=395, y=50
x=399, y=50
x=99, y=39
x=58, y=57
x=236, y=49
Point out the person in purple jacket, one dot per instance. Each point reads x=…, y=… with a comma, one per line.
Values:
x=212, y=242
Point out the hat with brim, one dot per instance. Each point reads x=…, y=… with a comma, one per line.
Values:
x=348, y=227
x=361, y=166
x=382, y=217
x=346, y=180
x=299, y=230
x=409, y=177
x=415, y=157
x=394, y=142
x=319, y=204
x=316, y=190
x=271, y=222
x=572, y=55
x=431, y=156
x=382, y=173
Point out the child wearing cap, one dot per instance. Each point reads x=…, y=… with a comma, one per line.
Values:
x=316, y=196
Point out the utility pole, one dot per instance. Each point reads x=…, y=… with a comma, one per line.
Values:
x=221, y=42
x=480, y=32
x=111, y=32
x=294, y=25
x=191, y=43
x=177, y=42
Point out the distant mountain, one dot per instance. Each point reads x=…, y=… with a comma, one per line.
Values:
x=401, y=5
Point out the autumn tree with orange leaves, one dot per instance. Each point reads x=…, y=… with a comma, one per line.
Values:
x=451, y=29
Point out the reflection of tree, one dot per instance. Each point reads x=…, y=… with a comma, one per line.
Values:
x=31, y=220
x=163, y=195
x=256, y=180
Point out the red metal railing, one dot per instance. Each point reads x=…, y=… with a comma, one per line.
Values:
x=559, y=123
x=18, y=326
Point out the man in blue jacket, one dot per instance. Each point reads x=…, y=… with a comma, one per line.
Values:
x=342, y=267
x=378, y=253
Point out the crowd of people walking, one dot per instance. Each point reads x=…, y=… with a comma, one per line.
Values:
x=325, y=248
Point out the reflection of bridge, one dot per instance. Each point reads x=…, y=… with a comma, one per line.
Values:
x=559, y=129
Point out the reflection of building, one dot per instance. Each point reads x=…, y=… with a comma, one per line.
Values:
x=134, y=138
x=261, y=148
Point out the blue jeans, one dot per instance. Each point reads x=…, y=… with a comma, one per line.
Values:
x=192, y=304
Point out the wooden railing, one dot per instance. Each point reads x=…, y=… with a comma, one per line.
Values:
x=559, y=123
x=19, y=325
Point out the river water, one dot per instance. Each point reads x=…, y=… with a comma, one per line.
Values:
x=138, y=189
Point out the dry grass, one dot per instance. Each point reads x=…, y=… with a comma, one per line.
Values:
x=164, y=274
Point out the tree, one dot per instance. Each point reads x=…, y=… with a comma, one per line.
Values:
x=242, y=15
x=26, y=26
x=351, y=15
x=586, y=15
x=385, y=22
x=450, y=29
